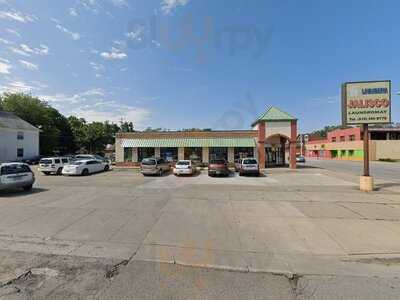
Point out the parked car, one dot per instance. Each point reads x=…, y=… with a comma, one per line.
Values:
x=154, y=166
x=34, y=160
x=218, y=167
x=184, y=167
x=249, y=166
x=83, y=167
x=105, y=161
x=53, y=165
x=300, y=159
x=16, y=175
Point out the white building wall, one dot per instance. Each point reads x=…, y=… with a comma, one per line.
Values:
x=9, y=144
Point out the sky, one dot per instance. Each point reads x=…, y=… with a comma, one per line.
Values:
x=197, y=63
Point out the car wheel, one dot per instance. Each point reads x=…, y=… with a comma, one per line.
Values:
x=240, y=174
x=160, y=172
x=59, y=171
x=85, y=172
x=27, y=187
x=106, y=168
x=46, y=173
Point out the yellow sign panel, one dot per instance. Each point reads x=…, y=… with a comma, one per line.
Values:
x=366, y=102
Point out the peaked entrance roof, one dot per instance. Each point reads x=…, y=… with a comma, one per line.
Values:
x=274, y=114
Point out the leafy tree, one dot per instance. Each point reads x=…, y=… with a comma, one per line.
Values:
x=127, y=127
x=58, y=133
x=52, y=124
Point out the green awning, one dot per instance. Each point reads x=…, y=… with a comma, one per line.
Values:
x=189, y=142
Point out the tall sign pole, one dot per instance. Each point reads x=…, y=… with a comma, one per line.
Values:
x=366, y=149
x=364, y=103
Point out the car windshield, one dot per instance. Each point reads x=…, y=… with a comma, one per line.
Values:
x=148, y=162
x=183, y=163
x=249, y=162
x=217, y=162
x=45, y=161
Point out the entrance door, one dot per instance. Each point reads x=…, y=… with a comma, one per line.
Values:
x=274, y=156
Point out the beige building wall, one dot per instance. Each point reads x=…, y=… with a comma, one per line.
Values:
x=181, y=153
x=135, y=156
x=206, y=155
x=282, y=128
x=387, y=149
x=231, y=154
x=119, y=151
x=157, y=152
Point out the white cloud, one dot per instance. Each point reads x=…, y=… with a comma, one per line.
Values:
x=167, y=6
x=13, y=31
x=98, y=68
x=114, y=54
x=28, y=65
x=5, y=42
x=19, y=51
x=17, y=16
x=73, y=12
x=5, y=66
x=94, y=106
x=119, y=3
x=16, y=87
x=75, y=36
x=26, y=50
x=94, y=92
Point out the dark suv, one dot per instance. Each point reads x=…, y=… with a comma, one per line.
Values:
x=218, y=167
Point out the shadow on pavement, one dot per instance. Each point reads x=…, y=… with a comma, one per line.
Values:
x=20, y=192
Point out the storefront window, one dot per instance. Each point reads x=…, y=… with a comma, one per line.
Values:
x=194, y=154
x=219, y=153
x=169, y=154
x=243, y=152
x=128, y=154
x=145, y=153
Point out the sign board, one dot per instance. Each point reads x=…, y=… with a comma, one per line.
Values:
x=367, y=102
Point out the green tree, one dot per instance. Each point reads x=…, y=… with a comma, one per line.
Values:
x=127, y=127
x=54, y=135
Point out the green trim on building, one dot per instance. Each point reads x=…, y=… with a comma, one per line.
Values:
x=188, y=142
x=274, y=114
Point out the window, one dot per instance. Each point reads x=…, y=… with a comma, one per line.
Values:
x=64, y=160
x=243, y=152
x=194, y=154
x=334, y=140
x=219, y=153
x=145, y=153
x=342, y=138
x=169, y=154
x=352, y=137
x=128, y=154
x=20, y=152
x=57, y=161
x=20, y=135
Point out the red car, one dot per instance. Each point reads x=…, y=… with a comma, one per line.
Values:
x=218, y=167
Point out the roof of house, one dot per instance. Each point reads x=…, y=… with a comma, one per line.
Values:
x=10, y=121
x=274, y=114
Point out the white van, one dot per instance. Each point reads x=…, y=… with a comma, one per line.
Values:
x=53, y=165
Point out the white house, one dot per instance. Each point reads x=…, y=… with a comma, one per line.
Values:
x=18, y=139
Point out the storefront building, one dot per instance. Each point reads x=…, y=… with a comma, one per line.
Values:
x=272, y=141
x=347, y=144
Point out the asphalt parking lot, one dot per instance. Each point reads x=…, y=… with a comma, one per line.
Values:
x=307, y=222
x=240, y=223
